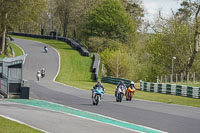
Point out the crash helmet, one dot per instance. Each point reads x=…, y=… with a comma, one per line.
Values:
x=121, y=82
x=42, y=68
x=98, y=83
x=132, y=83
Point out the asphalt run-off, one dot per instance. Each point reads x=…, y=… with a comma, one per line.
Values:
x=84, y=114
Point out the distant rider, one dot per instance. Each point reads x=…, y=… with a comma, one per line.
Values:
x=97, y=85
x=38, y=75
x=42, y=72
x=45, y=49
x=121, y=83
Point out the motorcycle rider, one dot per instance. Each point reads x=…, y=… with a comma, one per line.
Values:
x=38, y=75
x=42, y=72
x=97, y=85
x=121, y=83
x=45, y=49
x=131, y=88
x=131, y=85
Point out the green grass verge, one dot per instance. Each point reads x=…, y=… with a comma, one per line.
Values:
x=16, y=49
x=75, y=72
x=165, y=98
x=193, y=84
x=8, y=126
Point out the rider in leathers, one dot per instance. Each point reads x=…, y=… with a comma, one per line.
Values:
x=119, y=84
x=132, y=86
x=97, y=85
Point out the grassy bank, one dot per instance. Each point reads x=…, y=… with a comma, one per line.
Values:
x=75, y=71
x=8, y=126
x=16, y=49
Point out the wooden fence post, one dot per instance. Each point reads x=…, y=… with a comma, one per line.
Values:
x=181, y=76
x=194, y=77
x=157, y=79
x=188, y=76
x=171, y=78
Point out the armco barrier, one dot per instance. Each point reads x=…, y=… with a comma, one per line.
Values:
x=74, y=44
x=173, y=89
x=95, y=66
x=114, y=80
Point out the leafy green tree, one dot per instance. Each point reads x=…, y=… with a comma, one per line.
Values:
x=62, y=10
x=117, y=63
x=174, y=40
x=135, y=9
x=109, y=19
x=14, y=12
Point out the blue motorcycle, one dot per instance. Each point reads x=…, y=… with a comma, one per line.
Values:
x=98, y=95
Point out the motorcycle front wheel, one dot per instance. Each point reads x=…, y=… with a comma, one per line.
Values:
x=120, y=98
x=97, y=99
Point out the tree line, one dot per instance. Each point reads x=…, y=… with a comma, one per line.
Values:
x=129, y=46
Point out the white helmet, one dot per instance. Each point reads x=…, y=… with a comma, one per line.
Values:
x=132, y=82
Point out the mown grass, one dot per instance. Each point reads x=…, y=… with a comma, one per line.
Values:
x=8, y=126
x=193, y=84
x=75, y=71
x=165, y=98
x=16, y=49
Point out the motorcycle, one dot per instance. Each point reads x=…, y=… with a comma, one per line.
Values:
x=120, y=93
x=98, y=95
x=38, y=76
x=129, y=93
x=45, y=49
x=42, y=75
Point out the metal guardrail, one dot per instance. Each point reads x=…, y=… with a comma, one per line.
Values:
x=95, y=66
x=74, y=44
x=114, y=80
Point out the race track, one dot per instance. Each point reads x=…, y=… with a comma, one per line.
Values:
x=161, y=116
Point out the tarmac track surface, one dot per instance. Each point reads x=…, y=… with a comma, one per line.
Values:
x=166, y=117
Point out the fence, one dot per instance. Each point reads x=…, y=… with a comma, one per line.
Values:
x=179, y=90
x=4, y=86
x=114, y=80
x=183, y=77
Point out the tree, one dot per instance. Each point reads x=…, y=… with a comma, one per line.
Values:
x=117, y=63
x=13, y=12
x=62, y=10
x=135, y=10
x=172, y=40
x=196, y=40
x=110, y=20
